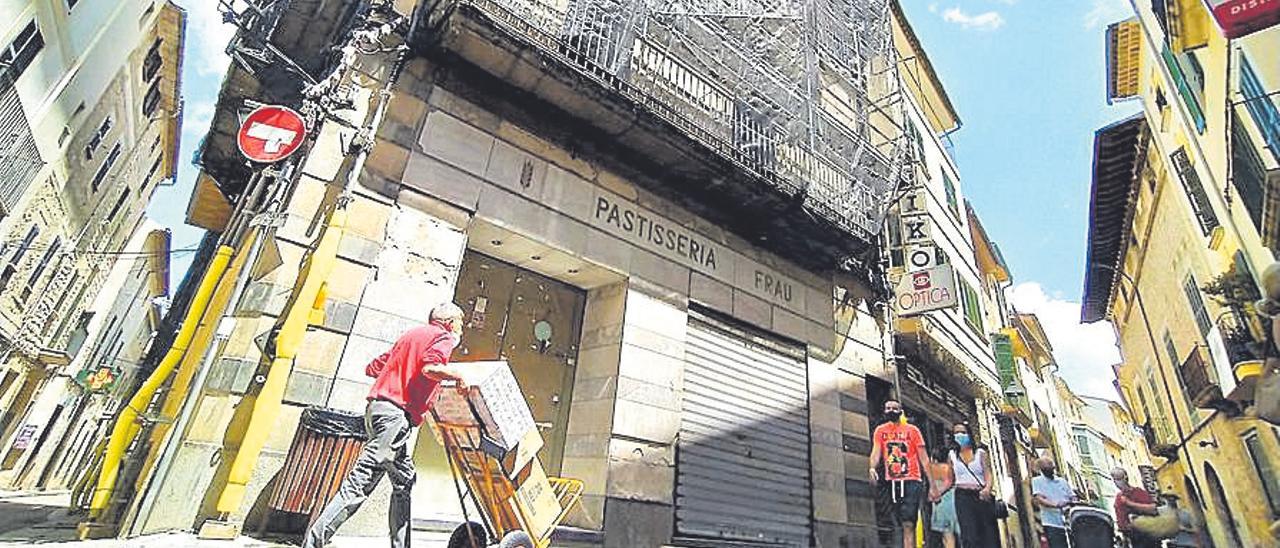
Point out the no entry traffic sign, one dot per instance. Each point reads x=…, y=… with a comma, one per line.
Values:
x=271, y=133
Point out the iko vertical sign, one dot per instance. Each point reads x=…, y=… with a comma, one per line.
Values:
x=925, y=291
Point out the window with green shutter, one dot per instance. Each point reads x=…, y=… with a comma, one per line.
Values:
x=972, y=308
x=952, y=202
x=1188, y=76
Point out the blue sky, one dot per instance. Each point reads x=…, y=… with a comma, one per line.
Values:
x=1027, y=77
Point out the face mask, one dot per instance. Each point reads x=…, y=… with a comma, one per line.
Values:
x=1049, y=472
x=893, y=416
x=962, y=439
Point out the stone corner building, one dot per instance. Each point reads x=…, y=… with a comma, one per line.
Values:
x=663, y=215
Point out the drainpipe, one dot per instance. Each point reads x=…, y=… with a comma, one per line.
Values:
x=305, y=304
x=126, y=427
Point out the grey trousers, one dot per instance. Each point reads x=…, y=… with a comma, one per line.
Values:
x=387, y=452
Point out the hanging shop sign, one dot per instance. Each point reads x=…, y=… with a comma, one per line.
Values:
x=271, y=133
x=925, y=291
x=97, y=380
x=1242, y=17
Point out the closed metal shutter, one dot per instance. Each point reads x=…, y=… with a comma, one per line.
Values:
x=19, y=158
x=743, y=457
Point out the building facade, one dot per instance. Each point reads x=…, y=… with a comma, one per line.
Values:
x=1180, y=223
x=122, y=322
x=606, y=214
x=90, y=102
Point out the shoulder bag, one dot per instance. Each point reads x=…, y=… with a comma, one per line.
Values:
x=999, y=508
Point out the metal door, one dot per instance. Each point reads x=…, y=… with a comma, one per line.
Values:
x=533, y=322
x=743, y=455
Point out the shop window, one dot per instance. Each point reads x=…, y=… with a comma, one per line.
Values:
x=1196, y=300
x=1266, y=469
x=18, y=55
x=1194, y=189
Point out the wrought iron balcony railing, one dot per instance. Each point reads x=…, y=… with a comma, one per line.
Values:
x=801, y=94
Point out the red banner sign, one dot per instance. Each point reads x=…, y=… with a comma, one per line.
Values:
x=1241, y=17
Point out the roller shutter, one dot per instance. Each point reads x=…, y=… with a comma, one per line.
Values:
x=743, y=456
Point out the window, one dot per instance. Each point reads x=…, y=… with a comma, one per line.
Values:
x=950, y=188
x=94, y=142
x=1191, y=184
x=1266, y=469
x=151, y=172
x=115, y=210
x=105, y=168
x=1171, y=349
x=151, y=100
x=11, y=267
x=1188, y=77
x=972, y=308
x=45, y=259
x=151, y=64
x=1196, y=300
x=1248, y=173
x=18, y=55
x=1261, y=106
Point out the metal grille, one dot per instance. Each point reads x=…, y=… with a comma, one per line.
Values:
x=743, y=470
x=801, y=93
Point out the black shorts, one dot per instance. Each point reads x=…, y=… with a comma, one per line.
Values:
x=906, y=497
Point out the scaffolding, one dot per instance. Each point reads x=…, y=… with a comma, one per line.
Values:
x=802, y=93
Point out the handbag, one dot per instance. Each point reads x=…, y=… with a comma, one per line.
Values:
x=999, y=509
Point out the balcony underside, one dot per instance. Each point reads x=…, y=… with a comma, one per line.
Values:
x=635, y=132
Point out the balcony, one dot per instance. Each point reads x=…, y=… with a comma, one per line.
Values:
x=1200, y=379
x=737, y=110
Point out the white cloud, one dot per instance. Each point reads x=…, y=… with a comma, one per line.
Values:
x=1084, y=352
x=207, y=37
x=1105, y=12
x=990, y=20
x=197, y=117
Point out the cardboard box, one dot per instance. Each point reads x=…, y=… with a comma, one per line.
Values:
x=514, y=460
x=537, y=500
x=497, y=408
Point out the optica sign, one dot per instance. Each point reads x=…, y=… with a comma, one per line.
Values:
x=925, y=291
x=1241, y=17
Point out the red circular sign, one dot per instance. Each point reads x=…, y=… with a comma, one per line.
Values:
x=271, y=133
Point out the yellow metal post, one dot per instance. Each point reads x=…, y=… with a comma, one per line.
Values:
x=306, y=299
x=126, y=427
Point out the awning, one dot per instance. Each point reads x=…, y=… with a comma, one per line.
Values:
x=1119, y=150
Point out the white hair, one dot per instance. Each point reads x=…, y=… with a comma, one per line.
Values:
x=446, y=312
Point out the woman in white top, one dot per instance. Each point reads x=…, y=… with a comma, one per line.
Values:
x=972, y=471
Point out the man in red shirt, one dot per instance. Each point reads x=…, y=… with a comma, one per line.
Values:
x=406, y=382
x=1131, y=501
x=900, y=448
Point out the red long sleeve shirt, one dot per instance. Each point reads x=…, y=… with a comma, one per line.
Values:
x=398, y=373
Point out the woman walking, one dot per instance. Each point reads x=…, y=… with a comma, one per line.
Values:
x=971, y=469
x=943, y=498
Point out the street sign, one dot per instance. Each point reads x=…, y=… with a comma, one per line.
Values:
x=1242, y=17
x=271, y=133
x=925, y=291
